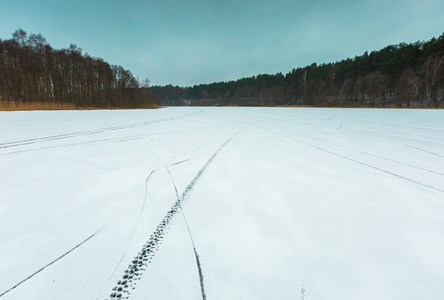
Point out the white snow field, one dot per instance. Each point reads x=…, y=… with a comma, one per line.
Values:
x=281, y=203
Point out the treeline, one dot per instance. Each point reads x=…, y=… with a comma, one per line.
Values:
x=402, y=75
x=32, y=71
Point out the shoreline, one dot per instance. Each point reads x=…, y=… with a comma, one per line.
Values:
x=30, y=106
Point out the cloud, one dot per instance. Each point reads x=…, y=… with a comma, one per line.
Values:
x=201, y=41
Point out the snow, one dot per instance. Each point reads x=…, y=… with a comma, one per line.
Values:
x=290, y=203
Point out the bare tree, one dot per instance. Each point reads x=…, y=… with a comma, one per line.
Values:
x=432, y=73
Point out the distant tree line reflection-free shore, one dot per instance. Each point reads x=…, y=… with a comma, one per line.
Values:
x=403, y=75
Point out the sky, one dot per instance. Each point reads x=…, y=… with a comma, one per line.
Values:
x=190, y=42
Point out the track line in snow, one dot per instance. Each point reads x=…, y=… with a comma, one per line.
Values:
x=132, y=234
x=373, y=132
x=86, y=132
x=191, y=151
x=374, y=155
x=357, y=161
x=196, y=254
x=411, y=140
x=140, y=262
x=177, y=163
x=57, y=259
x=135, y=227
x=108, y=140
x=424, y=150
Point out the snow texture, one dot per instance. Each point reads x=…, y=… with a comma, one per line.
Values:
x=222, y=203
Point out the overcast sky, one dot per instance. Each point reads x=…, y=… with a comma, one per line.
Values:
x=187, y=42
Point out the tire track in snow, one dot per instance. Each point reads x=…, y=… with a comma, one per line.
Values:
x=57, y=259
x=140, y=262
x=356, y=161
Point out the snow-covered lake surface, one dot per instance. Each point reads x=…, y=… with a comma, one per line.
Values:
x=281, y=203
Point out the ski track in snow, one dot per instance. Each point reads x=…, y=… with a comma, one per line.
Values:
x=140, y=262
x=108, y=140
x=135, y=227
x=424, y=151
x=132, y=235
x=377, y=156
x=356, y=161
x=196, y=255
x=388, y=136
x=189, y=152
x=87, y=132
x=57, y=259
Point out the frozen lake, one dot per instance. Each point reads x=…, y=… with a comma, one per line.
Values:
x=233, y=203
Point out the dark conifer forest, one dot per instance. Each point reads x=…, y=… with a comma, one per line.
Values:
x=403, y=75
x=31, y=71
